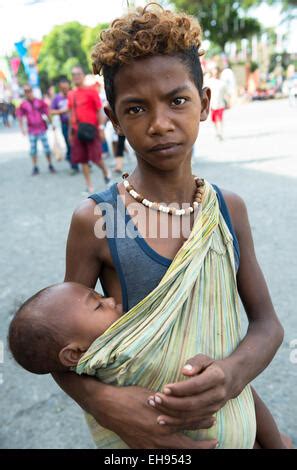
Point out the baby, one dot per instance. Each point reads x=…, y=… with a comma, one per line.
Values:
x=53, y=329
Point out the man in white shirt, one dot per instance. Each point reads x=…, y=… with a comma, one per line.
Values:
x=219, y=100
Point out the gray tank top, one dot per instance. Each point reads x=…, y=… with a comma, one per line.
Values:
x=139, y=267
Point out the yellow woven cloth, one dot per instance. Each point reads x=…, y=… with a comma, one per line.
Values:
x=195, y=309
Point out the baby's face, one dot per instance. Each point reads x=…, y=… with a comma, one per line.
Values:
x=82, y=315
x=91, y=315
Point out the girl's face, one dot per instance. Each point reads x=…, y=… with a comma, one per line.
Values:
x=158, y=108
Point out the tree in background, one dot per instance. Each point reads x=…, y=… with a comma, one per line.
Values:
x=286, y=3
x=65, y=46
x=289, y=8
x=222, y=20
x=61, y=50
x=90, y=37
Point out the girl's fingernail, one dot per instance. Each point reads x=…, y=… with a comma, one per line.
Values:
x=167, y=391
x=151, y=402
x=161, y=422
x=188, y=367
x=158, y=399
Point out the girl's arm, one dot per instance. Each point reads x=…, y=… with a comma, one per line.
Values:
x=268, y=435
x=265, y=333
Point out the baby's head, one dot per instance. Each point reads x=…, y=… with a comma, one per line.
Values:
x=53, y=329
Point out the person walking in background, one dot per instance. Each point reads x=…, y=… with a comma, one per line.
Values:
x=292, y=84
x=59, y=106
x=49, y=95
x=228, y=77
x=86, y=131
x=219, y=100
x=36, y=112
x=4, y=110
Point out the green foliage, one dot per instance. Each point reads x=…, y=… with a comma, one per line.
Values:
x=289, y=8
x=222, y=20
x=67, y=45
x=61, y=50
x=21, y=75
x=90, y=37
x=254, y=66
x=286, y=3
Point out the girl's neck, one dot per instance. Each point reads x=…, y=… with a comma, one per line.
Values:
x=177, y=186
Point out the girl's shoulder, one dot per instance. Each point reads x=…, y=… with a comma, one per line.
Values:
x=236, y=207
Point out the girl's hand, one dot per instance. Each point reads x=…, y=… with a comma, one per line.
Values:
x=126, y=413
x=191, y=404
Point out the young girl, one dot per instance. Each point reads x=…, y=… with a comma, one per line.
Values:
x=154, y=86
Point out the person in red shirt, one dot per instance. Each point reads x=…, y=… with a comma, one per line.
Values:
x=84, y=107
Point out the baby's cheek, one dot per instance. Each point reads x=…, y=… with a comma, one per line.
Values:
x=109, y=318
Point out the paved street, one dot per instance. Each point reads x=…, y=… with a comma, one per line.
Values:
x=257, y=160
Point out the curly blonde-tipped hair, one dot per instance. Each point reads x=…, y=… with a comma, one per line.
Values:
x=142, y=33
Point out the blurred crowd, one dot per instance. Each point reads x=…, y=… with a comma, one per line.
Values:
x=70, y=123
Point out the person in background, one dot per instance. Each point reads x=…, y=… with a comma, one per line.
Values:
x=228, y=77
x=96, y=82
x=49, y=95
x=84, y=107
x=119, y=154
x=11, y=110
x=36, y=112
x=219, y=99
x=59, y=106
x=4, y=109
x=292, y=84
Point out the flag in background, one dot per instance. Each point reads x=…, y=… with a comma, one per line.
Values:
x=15, y=64
x=29, y=60
x=21, y=48
x=5, y=73
x=34, y=49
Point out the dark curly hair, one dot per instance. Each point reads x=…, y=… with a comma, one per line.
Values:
x=33, y=341
x=147, y=32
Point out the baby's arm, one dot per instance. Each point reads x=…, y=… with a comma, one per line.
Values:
x=268, y=435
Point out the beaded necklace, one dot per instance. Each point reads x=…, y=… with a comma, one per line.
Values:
x=160, y=207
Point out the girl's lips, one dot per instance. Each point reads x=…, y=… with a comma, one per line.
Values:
x=166, y=149
x=163, y=146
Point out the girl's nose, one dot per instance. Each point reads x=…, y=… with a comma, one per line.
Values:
x=160, y=123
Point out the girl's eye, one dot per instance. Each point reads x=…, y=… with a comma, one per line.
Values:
x=179, y=101
x=98, y=306
x=135, y=110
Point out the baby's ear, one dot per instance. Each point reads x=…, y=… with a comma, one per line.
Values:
x=71, y=354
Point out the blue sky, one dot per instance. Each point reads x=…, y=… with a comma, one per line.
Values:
x=34, y=18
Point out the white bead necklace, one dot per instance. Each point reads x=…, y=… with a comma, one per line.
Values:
x=160, y=207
